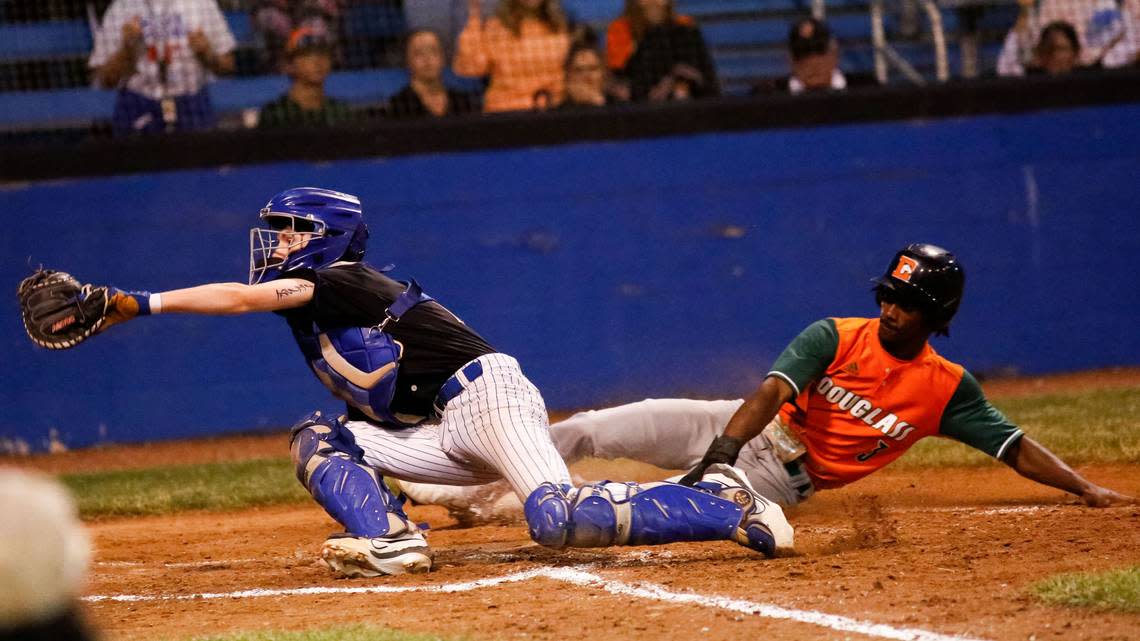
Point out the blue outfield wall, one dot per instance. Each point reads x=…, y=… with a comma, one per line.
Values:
x=614, y=271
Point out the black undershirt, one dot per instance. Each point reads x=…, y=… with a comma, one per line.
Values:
x=436, y=343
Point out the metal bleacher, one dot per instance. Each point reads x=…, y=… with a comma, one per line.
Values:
x=748, y=38
x=45, y=83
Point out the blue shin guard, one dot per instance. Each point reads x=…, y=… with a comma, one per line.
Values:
x=331, y=467
x=604, y=514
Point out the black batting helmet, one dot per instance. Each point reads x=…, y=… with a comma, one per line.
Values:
x=928, y=277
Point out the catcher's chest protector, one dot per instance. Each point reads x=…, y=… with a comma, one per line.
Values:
x=359, y=364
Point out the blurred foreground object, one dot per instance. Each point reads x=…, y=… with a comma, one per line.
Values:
x=44, y=557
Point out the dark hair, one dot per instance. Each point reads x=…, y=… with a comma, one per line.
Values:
x=808, y=37
x=577, y=48
x=408, y=37
x=1063, y=28
x=638, y=23
x=550, y=12
x=584, y=36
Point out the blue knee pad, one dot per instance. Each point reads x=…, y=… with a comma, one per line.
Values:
x=547, y=514
x=604, y=514
x=331, y=467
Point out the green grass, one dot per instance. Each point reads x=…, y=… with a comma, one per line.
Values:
x=1089, y=427
x=1117, y=590
x=1101, y=426
x=211, y=486
x=352, y=633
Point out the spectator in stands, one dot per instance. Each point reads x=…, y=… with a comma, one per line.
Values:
x=308, y=61
x=44, y=557
x=1056, y=53
x=426, y=94
x=661, y=55
x=627, y=30
x=814, y=56
x=1059, y=49
x=586, y=79
x=1108, y=33
x=275, y=20
x=521, y=49
x=161, y=56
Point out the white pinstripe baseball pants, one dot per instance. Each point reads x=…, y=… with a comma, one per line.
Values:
x=497, y=427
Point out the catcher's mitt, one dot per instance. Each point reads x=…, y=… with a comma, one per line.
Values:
x=58, y=311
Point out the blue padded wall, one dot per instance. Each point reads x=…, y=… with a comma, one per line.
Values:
x=614, y=270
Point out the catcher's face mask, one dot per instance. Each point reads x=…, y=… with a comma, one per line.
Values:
x=280, y=246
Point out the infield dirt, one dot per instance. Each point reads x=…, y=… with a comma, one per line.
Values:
x=950, y=551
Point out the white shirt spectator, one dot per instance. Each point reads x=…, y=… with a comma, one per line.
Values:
x=1097, y=22
x=838, y=83
x=166, y=26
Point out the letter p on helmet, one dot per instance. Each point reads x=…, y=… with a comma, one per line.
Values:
x=905, y=269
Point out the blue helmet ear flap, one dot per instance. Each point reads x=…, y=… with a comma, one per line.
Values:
x=357, y=244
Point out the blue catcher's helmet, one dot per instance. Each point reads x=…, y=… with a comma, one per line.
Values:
x=321, y=228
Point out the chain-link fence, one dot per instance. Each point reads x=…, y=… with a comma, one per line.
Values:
x=73, y=70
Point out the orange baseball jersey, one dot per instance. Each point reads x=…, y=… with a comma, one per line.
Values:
x=857, y=408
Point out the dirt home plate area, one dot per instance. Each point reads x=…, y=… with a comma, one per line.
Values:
x=905, y=554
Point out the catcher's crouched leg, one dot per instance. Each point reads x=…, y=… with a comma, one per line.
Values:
x=604, y=514
x=378, y=538
x=763, y=526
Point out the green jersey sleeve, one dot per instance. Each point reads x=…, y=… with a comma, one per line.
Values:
x=971, y=419
x=808, y=355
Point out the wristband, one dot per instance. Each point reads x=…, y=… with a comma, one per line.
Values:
x=724, y=449
x=144, y=300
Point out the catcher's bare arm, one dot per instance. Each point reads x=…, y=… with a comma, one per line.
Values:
x=237, y=298
x=1036, y=463
x=217, y=299
x=59, y=312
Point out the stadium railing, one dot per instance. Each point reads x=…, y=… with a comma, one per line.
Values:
x=45, y=86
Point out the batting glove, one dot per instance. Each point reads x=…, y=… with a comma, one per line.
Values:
x=724, y=449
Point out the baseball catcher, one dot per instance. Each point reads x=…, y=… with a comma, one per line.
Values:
x=427, y=400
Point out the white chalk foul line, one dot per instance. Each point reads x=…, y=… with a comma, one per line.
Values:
x=578, y=576
x=370, y=589
x=1016, y=509
x=189, y=564
x=835, y=622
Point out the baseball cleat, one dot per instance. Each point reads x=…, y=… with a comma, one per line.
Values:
x=763, y=526
x=362, y=557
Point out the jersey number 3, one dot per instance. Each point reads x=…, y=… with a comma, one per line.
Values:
x=882, y=445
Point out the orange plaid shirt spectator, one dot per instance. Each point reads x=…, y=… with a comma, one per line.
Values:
x=525, y=67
